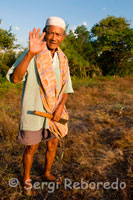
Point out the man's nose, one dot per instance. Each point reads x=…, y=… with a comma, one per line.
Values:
x=53, y=36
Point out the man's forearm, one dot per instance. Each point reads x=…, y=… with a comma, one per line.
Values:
x=20, y=70
x=59, y=109
x=64, y=99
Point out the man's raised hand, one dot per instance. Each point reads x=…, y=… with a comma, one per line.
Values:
x=36, y=42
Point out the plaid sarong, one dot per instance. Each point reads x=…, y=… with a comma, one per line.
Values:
x=50, y=95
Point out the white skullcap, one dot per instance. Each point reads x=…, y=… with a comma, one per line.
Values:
x=56, y=21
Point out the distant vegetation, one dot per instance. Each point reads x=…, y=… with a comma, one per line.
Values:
x=8, y=54
x=107, y=49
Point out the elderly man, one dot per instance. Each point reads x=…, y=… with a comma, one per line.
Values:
x=45, y=72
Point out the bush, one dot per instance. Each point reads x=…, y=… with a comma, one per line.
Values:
x=3, y=69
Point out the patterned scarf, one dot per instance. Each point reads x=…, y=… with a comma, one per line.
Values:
x=49, y=91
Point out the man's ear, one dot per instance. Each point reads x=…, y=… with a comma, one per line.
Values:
x=64, y=35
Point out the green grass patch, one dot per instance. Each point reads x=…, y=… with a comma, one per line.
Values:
x=6, y=86
x=89, y=82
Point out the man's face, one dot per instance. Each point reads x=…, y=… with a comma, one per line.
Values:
x=54, y=36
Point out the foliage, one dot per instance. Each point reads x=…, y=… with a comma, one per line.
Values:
x=6, y=39
x=79, y=50
x=113, y=39
x=107, y=49
x=7, y=53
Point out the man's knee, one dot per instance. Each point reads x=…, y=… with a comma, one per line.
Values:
x=52, y=144
x=31, y=149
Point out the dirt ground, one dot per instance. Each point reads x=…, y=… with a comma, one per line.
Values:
x=95, y=157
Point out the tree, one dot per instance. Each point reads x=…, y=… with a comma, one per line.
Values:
x=7, y=53
x=113, y=40
x=79, y=50
x=6, y=39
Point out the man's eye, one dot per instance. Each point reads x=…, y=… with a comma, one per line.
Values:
x=51, y=33
x=58, y=34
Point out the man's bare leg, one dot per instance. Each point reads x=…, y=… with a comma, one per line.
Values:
x=50, y=155
x=27, y=160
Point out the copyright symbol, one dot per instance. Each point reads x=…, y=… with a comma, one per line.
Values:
x=13, y=182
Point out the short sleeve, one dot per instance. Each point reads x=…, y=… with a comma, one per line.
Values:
x=69, y=88
x=11, y=70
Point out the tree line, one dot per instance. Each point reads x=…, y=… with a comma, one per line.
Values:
x=106, y=49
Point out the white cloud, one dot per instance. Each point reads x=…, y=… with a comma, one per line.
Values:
x=84, y=23
x=17, y=28
x=73, y=28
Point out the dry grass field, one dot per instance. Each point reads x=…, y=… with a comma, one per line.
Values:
x=95, y=158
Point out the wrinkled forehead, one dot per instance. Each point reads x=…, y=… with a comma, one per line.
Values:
x=53, y=28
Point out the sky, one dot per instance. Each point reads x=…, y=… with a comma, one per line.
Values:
x=23, y=15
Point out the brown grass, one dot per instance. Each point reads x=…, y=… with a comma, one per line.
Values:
x=97, y=148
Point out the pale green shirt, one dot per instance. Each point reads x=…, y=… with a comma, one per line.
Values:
x=31, y=97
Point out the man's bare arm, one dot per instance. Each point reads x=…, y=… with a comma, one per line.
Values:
x=20, y=70
x=36, y=45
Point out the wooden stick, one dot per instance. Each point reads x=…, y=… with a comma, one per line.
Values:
x=43, y=114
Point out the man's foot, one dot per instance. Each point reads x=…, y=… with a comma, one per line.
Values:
x=28, y=190
x=51, y=178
